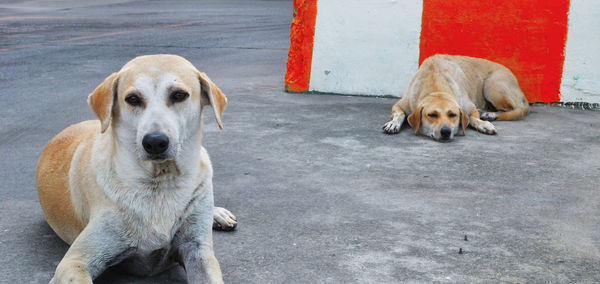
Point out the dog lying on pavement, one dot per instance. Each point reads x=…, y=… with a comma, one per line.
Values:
x=136, y=188
x=447, y=91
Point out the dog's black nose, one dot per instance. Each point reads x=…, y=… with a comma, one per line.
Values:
x=155, y=143
x=445, y=132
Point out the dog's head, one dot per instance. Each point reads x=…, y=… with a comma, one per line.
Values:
x=438, y=116
x=154, y=105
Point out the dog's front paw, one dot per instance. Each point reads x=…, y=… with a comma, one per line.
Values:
x=486, y=127
x=391, y=127
x=223, y=219
x=489, y=116
x=71, y=272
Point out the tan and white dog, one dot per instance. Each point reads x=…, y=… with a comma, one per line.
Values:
x=447, y=91
x=136, y=187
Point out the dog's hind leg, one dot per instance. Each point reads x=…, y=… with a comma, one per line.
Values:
x=393, y=126
x=223, y=219
x=501, y=89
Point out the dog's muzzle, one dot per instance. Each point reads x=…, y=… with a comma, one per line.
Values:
x=156, y=144
x=445, y=133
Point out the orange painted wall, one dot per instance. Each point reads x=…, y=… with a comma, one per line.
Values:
x=301, y=45
x=527, y=36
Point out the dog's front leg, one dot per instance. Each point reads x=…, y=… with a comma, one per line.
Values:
x=200, y=263
x=393, y=126
x=482, y=126
x=99, y=245
x=194, y=243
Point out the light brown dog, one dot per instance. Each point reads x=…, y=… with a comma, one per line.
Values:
x=136, y=187
x=447, y=91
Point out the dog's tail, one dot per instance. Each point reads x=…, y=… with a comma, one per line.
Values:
x=517, y=113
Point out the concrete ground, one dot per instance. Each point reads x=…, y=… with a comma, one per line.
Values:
x=322, y=195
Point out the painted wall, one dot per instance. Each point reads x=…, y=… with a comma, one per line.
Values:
x=528, y=37
x=581, y=76
x=374, y=47
x=301, y=45
x=365, y=47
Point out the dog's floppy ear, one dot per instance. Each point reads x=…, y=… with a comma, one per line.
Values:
x=102, y=99
x=212, y=95
x=464, y=121
x=414, y=119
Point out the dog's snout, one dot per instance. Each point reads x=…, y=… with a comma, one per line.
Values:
x=155, y=143
x=445, y=132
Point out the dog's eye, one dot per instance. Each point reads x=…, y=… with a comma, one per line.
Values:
x=433, y=115
x=133, y=100
x=451, y=114
x=179, y=96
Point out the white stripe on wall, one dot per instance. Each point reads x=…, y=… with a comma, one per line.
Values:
x=365, y=47
x=581, y=70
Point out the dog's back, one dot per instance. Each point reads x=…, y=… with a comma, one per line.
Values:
x=52, y=178
x=457, y=75
x=481, y=80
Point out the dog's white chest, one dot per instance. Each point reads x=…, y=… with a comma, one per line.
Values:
x=153, y=214
x=157, y=219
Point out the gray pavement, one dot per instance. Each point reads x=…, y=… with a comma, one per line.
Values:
x=322, y=195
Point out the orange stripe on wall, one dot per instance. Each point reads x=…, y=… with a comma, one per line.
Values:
x=301, y=45
x=526, y=36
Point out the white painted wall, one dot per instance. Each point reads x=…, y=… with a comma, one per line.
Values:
x=581, y=69
x=365, y=47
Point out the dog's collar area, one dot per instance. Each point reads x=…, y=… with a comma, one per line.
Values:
x=165, y=168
